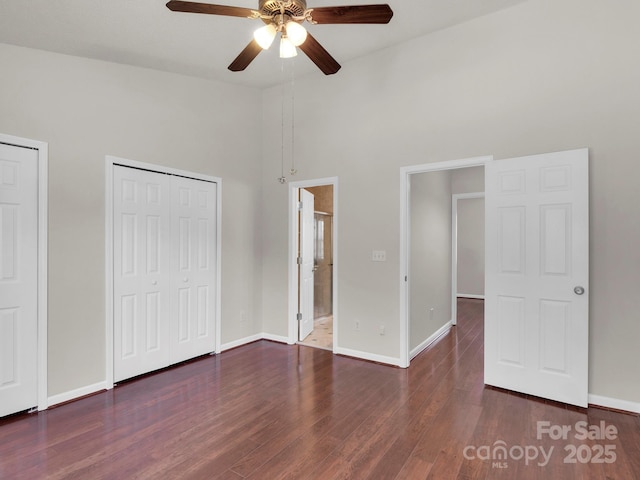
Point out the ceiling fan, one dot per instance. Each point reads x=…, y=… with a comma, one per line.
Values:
x=286, y=17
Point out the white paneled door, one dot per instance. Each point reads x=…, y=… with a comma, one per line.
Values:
x=142, y=271
x=18, y=278
x=164, y=270
x=306, y=263
x=193, y=219
x=537, y=275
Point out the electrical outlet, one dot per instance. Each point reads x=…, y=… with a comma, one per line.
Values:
x=379, y=256
x=356, y=325
x=243, y=316
x=382, y=330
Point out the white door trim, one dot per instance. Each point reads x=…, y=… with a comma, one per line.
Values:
x=43, y=208
x=454, y=249
x=405, y=235
x=293, y=249
x=110, y=163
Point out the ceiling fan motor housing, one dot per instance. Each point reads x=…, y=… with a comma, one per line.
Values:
x=292, y=8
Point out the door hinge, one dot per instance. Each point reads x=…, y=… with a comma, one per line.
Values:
x=299, y=206
x=298, y=316
x=299, y=260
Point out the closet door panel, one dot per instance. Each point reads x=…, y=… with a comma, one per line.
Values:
x=142, y=271
x=194, y=268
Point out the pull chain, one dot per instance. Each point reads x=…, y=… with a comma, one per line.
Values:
x=293, y=170
x=283, y=178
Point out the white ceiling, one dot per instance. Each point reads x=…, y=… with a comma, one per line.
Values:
x=147, y=34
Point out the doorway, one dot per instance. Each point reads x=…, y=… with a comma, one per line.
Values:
x=313, y=319
x=407, y=174
x=536, y=273
x=433, y=254
x=23, y=275
x=467, y=243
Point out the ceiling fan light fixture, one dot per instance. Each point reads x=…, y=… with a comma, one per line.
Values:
x=265, y=36
x=296, y=33
x=287, y=17
x=287, y=48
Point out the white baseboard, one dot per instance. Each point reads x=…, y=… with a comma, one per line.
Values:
x=240, y=342
x=276, y=338
x=438, y=333
x=614, y=403
x=253, y=338
x=470, y=295
x=75, y=394
x=367, y=356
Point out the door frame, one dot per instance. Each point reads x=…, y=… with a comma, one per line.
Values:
x=405, y=236
x=110, y=163
x=454, y=249
x=43, y=208
x=294, y=187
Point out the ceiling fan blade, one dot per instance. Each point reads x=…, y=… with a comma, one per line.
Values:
x=246, y=56
x=195, y=7
x=381, y=13
x=319, y=55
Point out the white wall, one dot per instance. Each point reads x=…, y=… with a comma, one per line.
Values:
x=467, y=180
x=430, y=255
x=470, y=246
x=545, y=75
x=87, y=109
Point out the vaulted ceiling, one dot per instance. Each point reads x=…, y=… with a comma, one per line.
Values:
x=145, y=33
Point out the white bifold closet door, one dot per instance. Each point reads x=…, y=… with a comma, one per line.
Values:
x=18, y=279
x=193, y=286
x=164, y=270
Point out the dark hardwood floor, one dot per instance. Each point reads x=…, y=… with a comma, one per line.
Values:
x=269, y=411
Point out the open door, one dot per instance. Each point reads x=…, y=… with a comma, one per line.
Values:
x=537, y=275
x=306, y=263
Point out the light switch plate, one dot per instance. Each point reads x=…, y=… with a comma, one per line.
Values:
x=379, y=256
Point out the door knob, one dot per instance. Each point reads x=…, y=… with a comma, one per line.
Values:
x=155, y=282
x=578, y=290
x=185, y=279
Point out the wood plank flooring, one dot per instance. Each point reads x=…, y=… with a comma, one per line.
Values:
x=272, y=411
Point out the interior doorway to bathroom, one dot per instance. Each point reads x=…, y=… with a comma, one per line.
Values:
x=315, y=237
x=322, y=334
